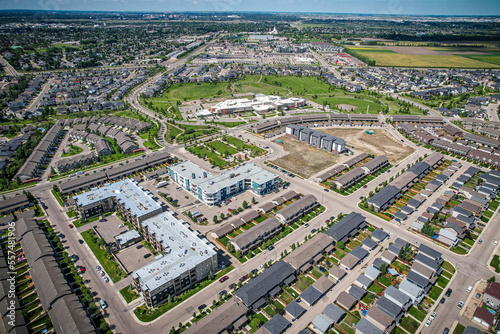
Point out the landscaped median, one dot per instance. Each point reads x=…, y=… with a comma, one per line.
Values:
x=105, y=259
x=145, y=314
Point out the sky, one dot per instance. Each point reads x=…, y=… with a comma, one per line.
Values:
x=392, y=7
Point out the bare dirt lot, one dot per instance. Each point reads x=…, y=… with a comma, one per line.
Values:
x=346, y=107
x=379, y=143
x=306, y=159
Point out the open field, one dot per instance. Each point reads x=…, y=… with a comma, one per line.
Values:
x=417, y=56
x=306, y=159
x=378, y=143
x=361, y=104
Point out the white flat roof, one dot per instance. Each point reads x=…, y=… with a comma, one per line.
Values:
x=184, y=251
x=138, y=201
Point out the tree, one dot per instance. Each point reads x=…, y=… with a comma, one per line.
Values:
x=169, y=299
x=230, y=247
x=340, y=245
x=238, y=254
x=253, y=200
x=244, y=204
x=492, y=279
x=293, y=247
x=222, y=216
x=211, y=275
x=383, y=269
x=215, y=219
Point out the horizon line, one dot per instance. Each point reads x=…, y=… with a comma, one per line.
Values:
x=240, y=11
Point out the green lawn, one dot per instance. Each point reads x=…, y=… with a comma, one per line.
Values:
x=110, y=266
x=442, y=281
x=459, y=329
x=368, y=298
x=286, y=298
x=398, y=330
x=375, y=288
x=128, y=294
x=417, y=313
x=301, y=285
x=459, y=250
x=495, y=263
x=346, y=323
x=447, y=274
x=384, y=280
x=316, y=273
x=72, y=150
x=435, y=292
x=410, y=324
x=222, y=148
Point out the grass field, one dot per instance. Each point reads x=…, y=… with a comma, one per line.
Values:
x=361, y=104
x=384, y=57
x=222, y=148
x=303, y=158
x=72, y=150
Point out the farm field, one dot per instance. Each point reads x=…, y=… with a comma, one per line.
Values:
x=306, y=159
x=380, y=142
x=416, y=56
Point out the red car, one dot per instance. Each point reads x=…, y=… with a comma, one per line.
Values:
x=82, y=270
x=243, y=278
x=70, y=225
x=230, y=210
x=223, y=279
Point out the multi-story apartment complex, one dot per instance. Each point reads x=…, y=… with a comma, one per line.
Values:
x=213, y=189
x=316, y=138
x=186, y=258
x=134, y=203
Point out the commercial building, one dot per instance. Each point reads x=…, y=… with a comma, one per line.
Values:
x=316, y=138
x=134, y=203
x=186, y=258
x=261, y=103
x=213, y=189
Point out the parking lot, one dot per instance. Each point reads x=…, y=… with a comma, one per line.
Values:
x=133, y=258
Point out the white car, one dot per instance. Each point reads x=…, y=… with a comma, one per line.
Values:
x=469, y=289
x=433, y=315
x=495, y=243
x=106, y=280
x=460, y=304
x=101, y=273
x=428, y=323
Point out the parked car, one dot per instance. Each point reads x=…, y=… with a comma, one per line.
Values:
x=495, y=243
x=433, y=315
x=270, y=247
x=478, y=295
x=365, y=186
x=313, y=230
x=232, y=285
x=147, y=255
x=460, y=304
x=201, y=307
x=104, y=305
x=306, y=225
x=243, y=278
x=101, y=273
x=480, y=241
x=448, y=292
x=254, y=271
x=446, y=330
x=106, y=280
x=80, y=241
x=326, y=190
x=442, y=300
x=98, y=268
x=139, y=246
x=70, y=225
x=222, y=293
x=223, y=279
x=469, y=288
x=428, y=323
x=82, y=270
